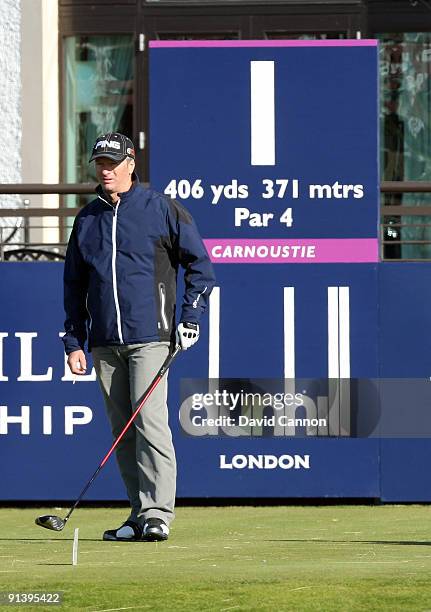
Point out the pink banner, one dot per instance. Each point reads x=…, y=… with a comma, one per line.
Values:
x=320, y=250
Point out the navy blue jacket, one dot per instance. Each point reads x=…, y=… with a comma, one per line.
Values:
x=121, y=270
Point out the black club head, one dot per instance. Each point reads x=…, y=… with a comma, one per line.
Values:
x=49, y=521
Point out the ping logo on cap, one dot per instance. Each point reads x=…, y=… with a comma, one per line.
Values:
x=107, y=143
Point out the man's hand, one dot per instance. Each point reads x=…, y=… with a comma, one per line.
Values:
x=188, y=334
x=77, y=362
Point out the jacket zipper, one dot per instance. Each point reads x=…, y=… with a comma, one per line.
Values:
x=114, y=271
x=90, y=325
x=162, y=295
x=113, y=266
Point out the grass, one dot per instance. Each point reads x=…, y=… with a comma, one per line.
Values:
x=329, y=558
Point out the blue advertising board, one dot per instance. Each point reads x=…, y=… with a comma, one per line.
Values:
x=53, y=433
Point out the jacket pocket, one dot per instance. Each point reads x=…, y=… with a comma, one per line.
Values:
x=162, y=302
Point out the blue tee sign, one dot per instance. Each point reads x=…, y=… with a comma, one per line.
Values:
x=272, y=146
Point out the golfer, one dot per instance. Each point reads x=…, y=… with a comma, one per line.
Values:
x=120, y=282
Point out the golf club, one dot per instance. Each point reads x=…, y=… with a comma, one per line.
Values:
x=56, y=523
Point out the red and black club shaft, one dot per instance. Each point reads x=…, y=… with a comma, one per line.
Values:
x=56, y=523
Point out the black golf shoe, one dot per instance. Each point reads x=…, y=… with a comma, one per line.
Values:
x=128, y=532
x=155, y=530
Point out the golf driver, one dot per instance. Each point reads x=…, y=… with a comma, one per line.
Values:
x=50, y=521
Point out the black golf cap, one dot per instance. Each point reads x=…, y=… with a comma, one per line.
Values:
x=113, y=145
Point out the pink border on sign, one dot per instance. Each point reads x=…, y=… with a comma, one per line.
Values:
x=352, y=42
x=269, y=251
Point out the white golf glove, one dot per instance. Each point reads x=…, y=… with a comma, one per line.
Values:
x=188, y=334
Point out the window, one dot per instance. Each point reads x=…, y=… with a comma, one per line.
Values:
x=405, y=132
x=98, y=99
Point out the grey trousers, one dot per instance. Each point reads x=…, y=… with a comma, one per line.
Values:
x=145, y=455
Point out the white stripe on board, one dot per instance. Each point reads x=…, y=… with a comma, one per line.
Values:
x=214, y=334
x=262, y=113
x=333, y=326
x=289, y=353
x=344, y=321
x=344, y=332
x=333, y=363
x=289, y=332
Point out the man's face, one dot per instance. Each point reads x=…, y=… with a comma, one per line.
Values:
x=114, y=176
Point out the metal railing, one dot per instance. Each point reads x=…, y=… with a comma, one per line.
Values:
x=405, y=230
x=395, y=220
x=30, y=248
